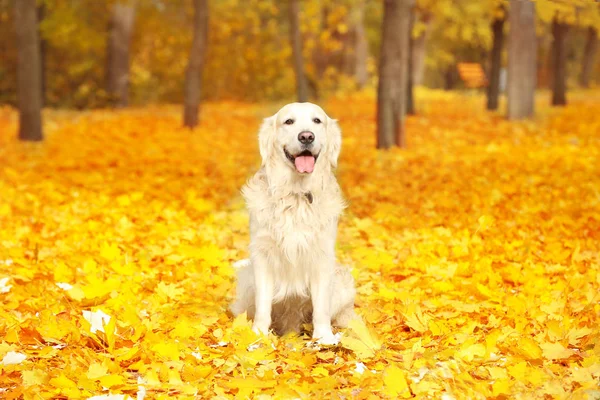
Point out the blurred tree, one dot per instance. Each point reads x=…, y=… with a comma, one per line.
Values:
x=410, y=95
x=296, y=41
x=43, y=50
x=496, y=60
x=119, y=43
x=559, y=62
x=420, y=35
x=522, y=50
x=589, y=56
x=193, y=74
x=335, y=58
x=561, y=17
x=29, y=71
x=459, y=30
x=8, y=53
x=75, y=33
x=393, y=66
x=361, y=48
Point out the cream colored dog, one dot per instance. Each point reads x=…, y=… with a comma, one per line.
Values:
x=294, y=203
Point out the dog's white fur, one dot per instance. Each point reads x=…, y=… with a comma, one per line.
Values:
x=292, y=274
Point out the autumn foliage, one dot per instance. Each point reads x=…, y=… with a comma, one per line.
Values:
x=475, y=253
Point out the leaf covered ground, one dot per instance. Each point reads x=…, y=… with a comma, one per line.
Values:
x=475, y=254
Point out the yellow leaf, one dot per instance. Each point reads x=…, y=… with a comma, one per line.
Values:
x=498, y=373
x=152, y=378
x=109, y=330
x=241, y=322
x=249, y=383
x=528, y=348
x=76, y=293
x=174, y=378
x=518, y=371
x=501, y=386
x=169, y=290
x=184, y=329
x=415, y=318
x=484, y=290
x=582, y=375
x=485, y=221
x=360, y=340
x=96, y=370
x=123, y=200
x=110, y=252
x=62, y=382
x=471, y=351
x=536, y=376
x=112, y=380
x=395, y=382
x=166, y=350
x=319, y=371
x=34, y=377
x=555, y=351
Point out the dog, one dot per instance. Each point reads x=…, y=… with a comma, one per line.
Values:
x=294, y=202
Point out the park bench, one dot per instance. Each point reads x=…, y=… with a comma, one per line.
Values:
x=472, y=75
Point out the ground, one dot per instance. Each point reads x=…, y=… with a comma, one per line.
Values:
x=475, y=253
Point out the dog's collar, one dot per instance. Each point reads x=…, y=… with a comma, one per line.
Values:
x=309, y=197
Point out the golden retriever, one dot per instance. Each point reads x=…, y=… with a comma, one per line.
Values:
x=294, y=202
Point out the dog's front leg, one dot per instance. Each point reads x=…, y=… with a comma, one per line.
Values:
x=263, y=281
x=320, y=291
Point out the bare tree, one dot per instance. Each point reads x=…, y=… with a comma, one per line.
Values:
x=193, y=74
x=29, y=74
x=296, y=40
x=496, y=63
x=393, y=68
x=589, y=56
x=522, y=54
x=119, y=40
x=559, y=63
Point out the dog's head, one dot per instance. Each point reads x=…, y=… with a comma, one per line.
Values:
x=300, y=135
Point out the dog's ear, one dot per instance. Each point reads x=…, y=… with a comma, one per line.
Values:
x=334, y=141
x=266, y=136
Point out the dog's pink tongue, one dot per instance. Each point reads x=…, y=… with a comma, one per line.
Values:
x=305, y=164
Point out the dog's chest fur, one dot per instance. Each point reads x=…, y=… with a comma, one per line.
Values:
x=298, y=226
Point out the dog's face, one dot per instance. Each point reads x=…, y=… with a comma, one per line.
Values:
x=300, y=135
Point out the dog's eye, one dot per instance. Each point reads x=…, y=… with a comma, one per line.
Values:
x=289, y=121
x=317, y=121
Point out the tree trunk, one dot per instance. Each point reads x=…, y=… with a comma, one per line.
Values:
x=496, y=64
x=119, y=39
x=29, y=74
x=296, y=40
x=361, y=49
x=522, y=53
x=43, y=51
x=410, y=95
x=347, y=57
x=418, y=51
x=450, y=77
x=193, y=73
x=589, y=55
x=559, y=63
x=393, y=68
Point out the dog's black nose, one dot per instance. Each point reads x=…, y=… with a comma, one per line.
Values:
x=306, y=137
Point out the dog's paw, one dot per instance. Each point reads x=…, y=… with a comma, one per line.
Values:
x=260, y=329
x=326, y=338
